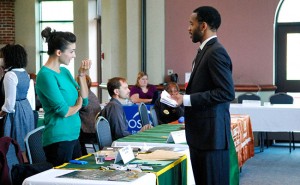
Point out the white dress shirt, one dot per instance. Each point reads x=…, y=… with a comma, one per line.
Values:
x=10, y=83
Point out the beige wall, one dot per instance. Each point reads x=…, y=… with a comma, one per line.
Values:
x=81, y=30
x=133, y=35
x=113, y=41
x=121, y=40
x=155, y=41
x=26, y=31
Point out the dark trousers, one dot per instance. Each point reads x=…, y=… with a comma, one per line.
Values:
x=210, y=167
x=62, y=152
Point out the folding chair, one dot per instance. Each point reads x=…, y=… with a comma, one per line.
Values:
x=34, y=146
x=103, y=132
x=143, y=111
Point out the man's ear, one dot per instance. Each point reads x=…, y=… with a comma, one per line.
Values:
x=116, y=91
x=205, y=26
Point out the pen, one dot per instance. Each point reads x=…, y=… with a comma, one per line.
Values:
x=150, y=164
x=146, y=164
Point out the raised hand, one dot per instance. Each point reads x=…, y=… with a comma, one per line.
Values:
x=178, y=98
x=84, y=67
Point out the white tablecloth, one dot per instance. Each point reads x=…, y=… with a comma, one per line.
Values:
x=48, y=178
x=274, y=118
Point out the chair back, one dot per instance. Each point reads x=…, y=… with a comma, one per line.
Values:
x=247, y=96
x=154, y=117
x=143, y=111
x=103, y=132
x=281, y=98
x=34, y=146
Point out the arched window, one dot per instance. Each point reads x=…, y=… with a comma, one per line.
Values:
x=287, y=46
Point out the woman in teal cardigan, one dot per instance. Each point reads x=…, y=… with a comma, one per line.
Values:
x=61, y=97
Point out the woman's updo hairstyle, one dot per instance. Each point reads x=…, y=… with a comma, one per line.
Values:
x=57, y=40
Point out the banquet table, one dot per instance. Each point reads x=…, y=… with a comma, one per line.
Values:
x=169, y=174
x=49, y=177
x=274, y=118
x=242, y=136
x=156, y=137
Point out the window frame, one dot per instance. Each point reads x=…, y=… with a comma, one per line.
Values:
x=42, y=52
x=281, y=29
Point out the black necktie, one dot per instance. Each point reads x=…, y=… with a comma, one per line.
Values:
x=194, y=61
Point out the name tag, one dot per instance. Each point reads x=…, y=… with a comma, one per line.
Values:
x=124, y=154
x=177, y=137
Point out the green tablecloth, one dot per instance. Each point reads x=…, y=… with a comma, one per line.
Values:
x=160, y=133
x=171, y=174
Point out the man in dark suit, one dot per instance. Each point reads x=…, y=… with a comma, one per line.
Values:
x=208, y=94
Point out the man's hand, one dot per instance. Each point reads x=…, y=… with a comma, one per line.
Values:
x=146, y=127
x=178, y=98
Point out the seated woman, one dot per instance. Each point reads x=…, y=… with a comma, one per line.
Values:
x=166, y=114
x=142, y=91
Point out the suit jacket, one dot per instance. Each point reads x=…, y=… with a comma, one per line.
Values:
x=211, y=89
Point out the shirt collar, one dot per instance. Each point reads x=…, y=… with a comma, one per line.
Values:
x=203, y=43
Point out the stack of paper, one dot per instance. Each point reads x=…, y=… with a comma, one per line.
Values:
x=165, y=98
x=160, y=155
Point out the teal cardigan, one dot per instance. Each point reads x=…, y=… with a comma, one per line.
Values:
x=57, y=92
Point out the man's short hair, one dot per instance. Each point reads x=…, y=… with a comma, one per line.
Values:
x=209, y=15
x=114, y=83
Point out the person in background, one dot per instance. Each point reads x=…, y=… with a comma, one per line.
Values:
x=87, y=115
x=142, y=91
x=208, y=95
x=13, y=94
x=114, y=113
x=61, y=97
x=165, y=113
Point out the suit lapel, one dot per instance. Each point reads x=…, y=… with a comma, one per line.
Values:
x=198, y=60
